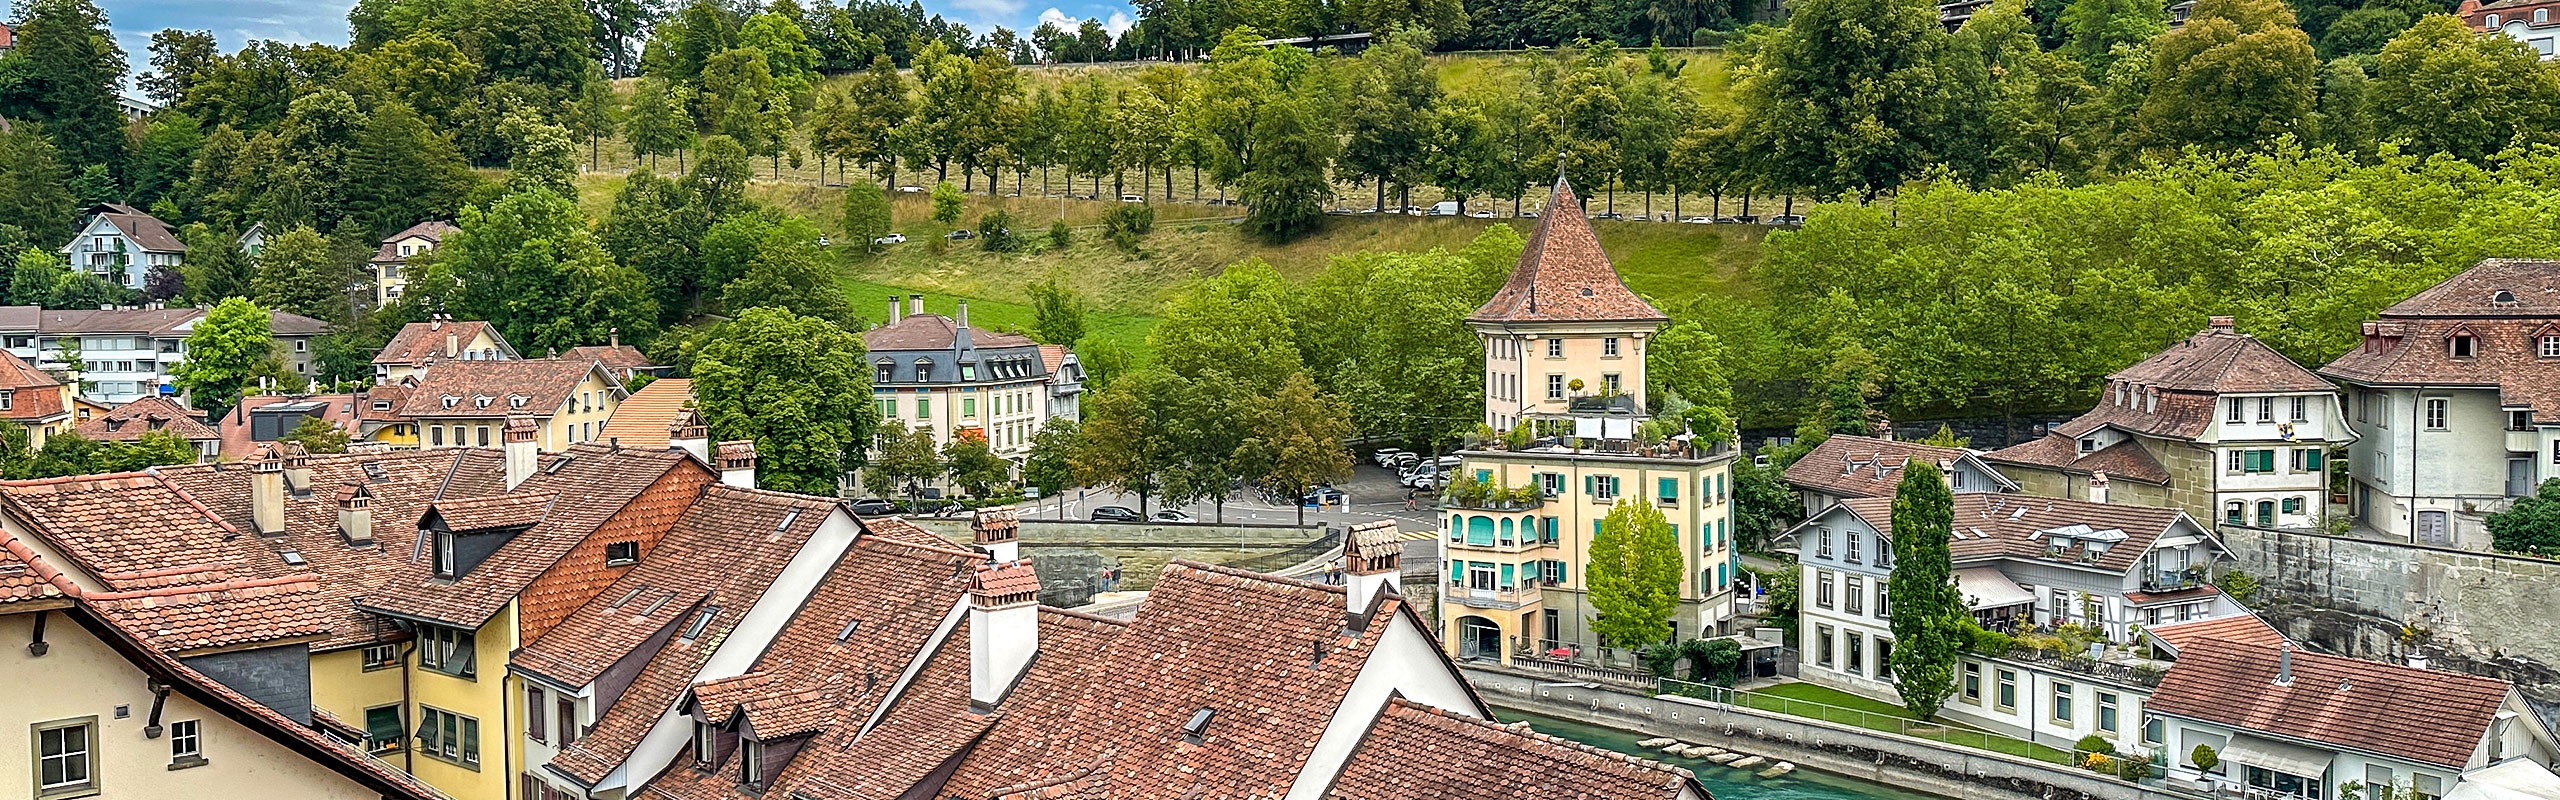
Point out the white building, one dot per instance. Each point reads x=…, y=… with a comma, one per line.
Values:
x=937, y=373
x=121, y=244
x=2454, y=403
x=1843, y=467
x=126, y=353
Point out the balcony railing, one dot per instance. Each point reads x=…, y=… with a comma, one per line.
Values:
x=1501, y=545
x=1508, y=503
x=1505, y=599
x=2121, y=669
x=2162, y=583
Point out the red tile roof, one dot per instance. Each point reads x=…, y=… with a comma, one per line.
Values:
x=935, y=332
x=2430, y=716
x=33, y=395
x=203, y=617
x=545, y=384
x=1863, y=466
x=130, y=421
x=1416, y=752
x=1564, y=276
x=2124, y=460
x=495, y=512
x=2244, y=628
x=2009, y=526
x=25, y=577
x=619, y=360
x=2221, y=360
x=145, y=230
x=422, y=343
x=2411, y=343
x=641, y=420
x=342, y=410
x=433, y=230
x=1053, y=356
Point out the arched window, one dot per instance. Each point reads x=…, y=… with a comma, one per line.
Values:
x=1480, y=531
x=1506, y=532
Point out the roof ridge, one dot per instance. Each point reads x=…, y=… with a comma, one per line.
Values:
x=208, y=588
x=1081, y=616
x=952, y=550
x=1215, y=569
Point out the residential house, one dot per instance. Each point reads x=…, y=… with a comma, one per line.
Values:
x=644, y=419
x=2527, y=21
x=130, y=421
x=33, y=399
x=1066, y=381
x=8, y=38
x=620, y=360
x=391, y=262
x=2023, y=564
x=121, y=244
x=917, y=668
x=126, y=702
x=1845, y=467
x=253, y=241
x=368, y=416
x=419, y=346
x=2288, y=723
x=940, y=374
x=2219, y=425
x=2455, y=408
x=1564, y=320
x=127, y=353
x=467, y=403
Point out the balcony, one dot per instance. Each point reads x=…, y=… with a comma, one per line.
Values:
x=1498, y=599
x=2172, y=581
x=1521, y=545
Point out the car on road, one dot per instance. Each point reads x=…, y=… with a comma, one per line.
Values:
x=1116, y=514
x=1787, y=219
x=873, y=507
x=1131, y=198
x=962, y=233
x=1322, y=496
x=1482, y=214
x=1700, y=220
x=1342, y=212
x=910, y=190
x=1745, y=219
x=894, y=238
x=1170, y=515
x=1402, y=461
x=1528, y=215
x=1444, y=208
x=823, y=242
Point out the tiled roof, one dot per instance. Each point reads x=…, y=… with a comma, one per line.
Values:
x=722, y=697
x=2124, y=460
x=2430, y=716
x=203, y=617
x=620, y=360
x=1863, y=466
x=494, y=512
x=433, y=230
x=641, y=420
x=544, y=383
x=130, y=421
x=1415, y=752
x=133, y=532
x=148, y=321
x=33, y=395
x=2010, y=526
x=2531, y=287
x=935, y=332
x=341, y=410
x=1053, y=356
x=422, y=343
x=25, y=577
x=2411, y=344
x=2244, y=628
x=1563, y=276
x=145, y=230
x=1004, y=580
x=2221, y=360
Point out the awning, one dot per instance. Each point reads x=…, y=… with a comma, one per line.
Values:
x=2515, y=779
x=1986, y=587
x=2176, y=541
x=2277, y=756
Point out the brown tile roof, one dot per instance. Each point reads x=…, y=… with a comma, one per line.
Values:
x=182, y=619
x=146, y=321
x=641, y=420
x=130, y=421
x=341, y=410
x=1991, y=526
x=1415, y=752
x=433, y=230
x=544, y=383
x=132, y=532
x=25, y=577
x=1053, y=356
x=2430, y=716
x=33, y=395
x=1863, y=466
x=935, y=332
x=2410, y=345
x=2532, y=287
x=422, y=343
x=1563, y=276
x=619, y=359
x=2124, y=460
x=2221, y=360
x=2244, y=628
x=1003, y=580
x=146, y=230
x=495, y=512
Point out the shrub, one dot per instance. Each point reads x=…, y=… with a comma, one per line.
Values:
x=1126, y=222
x=995, y=232
x=1989, y=642
x=2239, y=585
x=2094, y=743
x=2204, y=758
x=1060, y=235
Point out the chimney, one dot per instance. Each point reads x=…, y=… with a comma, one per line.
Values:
x=355, y=515
x=521, y=449
x=2417, y=659
x=964, y=313
x=915, y=304
x=1004, y=629
x=2222, y=324
x=2284, y=664
x=435, y=322
x=452, y=344
x=266, y=492
x=1947, y=473
x=997, y=531
x=2098, y=486
x=738, y=463
x=687, y=433
x=297, y=469
x=613, y=337
x=894, y=305
x=1372, y=555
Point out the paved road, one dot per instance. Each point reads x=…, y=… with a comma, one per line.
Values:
x=1374, y=495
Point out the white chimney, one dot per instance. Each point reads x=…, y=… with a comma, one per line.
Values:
x=687, y=433
x=2284, y=664
x=452, y=344
x=266, y=492
x=894, y=305
x=297, y=469
x=964, y=313
x=997, y=531
x=1004, y=629
x=522, y=451
x=1372, y=555
x=915, y=304
x=738, y=463
x=355, y=515
x=2098, y=486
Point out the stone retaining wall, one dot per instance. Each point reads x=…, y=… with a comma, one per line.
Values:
x=2474, y=612
x=1875, y=756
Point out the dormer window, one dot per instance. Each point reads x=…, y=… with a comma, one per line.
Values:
x=924, y=370
x=886, y=369
x=450, y=400
x=705, y=743
x=443, y=552
x=2464, y=345
x=2493, y=20
x=2548, y=346
x=2088, y=445
x=482, y=401
x=2503, y=298
x=381, y=405
x=515, y=401
x=621, y=553
x=968, y=372
x=750, y=762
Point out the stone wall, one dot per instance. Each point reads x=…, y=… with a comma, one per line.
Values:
x=2472, y=612
x=1885, y=758
x=1077, y=558
x=2192, y=474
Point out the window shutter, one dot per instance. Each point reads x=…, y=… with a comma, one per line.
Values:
x=2313, y=458
x=1589, y=481
x=1510, y=574
x=1457, y=571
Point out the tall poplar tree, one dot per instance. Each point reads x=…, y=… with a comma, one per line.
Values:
x=1928, y=612
x=1634, y=575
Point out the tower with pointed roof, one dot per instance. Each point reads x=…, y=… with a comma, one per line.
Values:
x=1564, y=332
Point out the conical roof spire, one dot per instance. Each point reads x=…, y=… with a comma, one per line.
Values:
x=1563, y=275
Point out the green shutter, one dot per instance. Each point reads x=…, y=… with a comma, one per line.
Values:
x=2262, y=461
x=1561, y=567
x=1457, y=571
x=2312, y=458
x=1509, y=574
x=1587, y=484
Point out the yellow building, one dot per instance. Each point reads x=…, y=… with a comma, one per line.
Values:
x=1564, y=353
x=467, y=403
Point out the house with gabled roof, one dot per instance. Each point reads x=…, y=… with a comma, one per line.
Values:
x=419, y=346
x=1845, y=466
x=941, y=374
x=466, y=403
x=121, y=244
x=2218, y=425
x=33, y=399
x=390, y=264
x=126, y=353
x=128, y=422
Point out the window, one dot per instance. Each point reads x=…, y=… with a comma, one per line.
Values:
x=2520, y=420
x=882, y=372
x=568, y=710
x=1822, y=589
x=1857, y=654
x=1609, y=347
x=381, y=656
x=1973, y=683
x=2154, y=731
x=1884, y=600
x=2308, y=459
x=1822, y=543
x=447, y=650
x=66, y=754
x=1609, y=381
x=447, y=736
x=968, y=408
x=533, y=727
x=2436, y=409
x=1555, y=348
x=2541, y=16
x=2464, y=345
x=750, y=762
x=924, y=408
x=1856, y=595
x=484, y=436
x=2266, y=409
x=2293, y=505
x=621, y=553
x=1822, y=645
x=2301, y=409
x=2239, y=413
x=2107, y=711
x=1601, y=487
x=2549, y=346
x=2006, y=698
x=186, y=743
x=2259, y=461
x=705, y=742
x=2061, y=702
x=1852, y=553
x=2234, y=512
x=1667, y=490
x=382, y=728
x=888, y=407
x=444, y=560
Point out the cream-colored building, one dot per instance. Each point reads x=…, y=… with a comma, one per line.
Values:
x=1516, y=584
x=391, y=263
x=419, y=346
x=937, y=373
x=467, y=403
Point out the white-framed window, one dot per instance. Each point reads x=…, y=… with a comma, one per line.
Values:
x=2548, y=346
x=2107, y=711
x=381, y=656
x=1856, y=595
x=452, y=651
x=2436, y=411
x=66, y=758
x=1822, y=543
x=1852, y=551
x=1822, y=645
x=2239, y=411
x=186, y=742
x=2062, y=702
x=1555, y=348
x=1973, y=683
x=2266, y=409
x=1555, y=387
x=1609, y=347
x=1822, y=592
x=447, y=736
x=2301, y=409
x=750, y=762
x=2464, y=345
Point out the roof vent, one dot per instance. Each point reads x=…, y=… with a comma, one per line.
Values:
x=2345, y=684
x=849, y=627
x=1197, y=730
x=294, y=558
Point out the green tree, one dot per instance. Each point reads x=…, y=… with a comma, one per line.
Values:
x=159, y=448
x=798, y=387
x=541, y=156
x=1293, y=439
x=317, y=435
x=1929, y=615
x=974, y=467
x=2440, y=88
x=538, y=273
x=33, y=276
x=789, y=272
x=654, y=229
x=2363, y=31
x=424, y=71
x=1127, y=444
x=68, y=68
x=866, y=215
x=2237, y=76
x=1388, y=113
x=881, y=96
x=225, y=353
x=1843, y=98
x=2097, y=28
x=947, y=203
x=1050, y=466
x=904, y=461
x=298, y=273
x=2531, y=526
x=1057, y=312
x=35, y=193
x=658, y=123
x=176, y=57
x=1284, y=191
x=1633, y=576
x=403, y=172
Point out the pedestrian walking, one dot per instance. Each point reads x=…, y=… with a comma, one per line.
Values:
x=1410, y=496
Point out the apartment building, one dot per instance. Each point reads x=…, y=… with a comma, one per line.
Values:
x=938, y=373
x=127, y=353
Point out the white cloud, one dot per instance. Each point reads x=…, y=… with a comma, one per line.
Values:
x=1059, y=18
x=1118, y=23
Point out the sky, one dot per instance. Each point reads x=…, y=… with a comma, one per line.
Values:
x=235, y=22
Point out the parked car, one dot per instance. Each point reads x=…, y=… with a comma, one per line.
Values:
x=1609, y=215
x=1131, y=198
x=1431, y=484
x=1116, y=514
x=1342, y=212
x=894, y=238
x=1323, y=496
x=1747, y=219
x=1482, y=214
x=1699, y=220
x=962, y=233
x=1787, y=219
x=1170, y=515
x=872, y=507
x=910, y=190
x=1383, y=454
x=1444, y=208
x=1528, y=215
x=1401, y=461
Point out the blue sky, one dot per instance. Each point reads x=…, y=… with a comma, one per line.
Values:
x=235, y=22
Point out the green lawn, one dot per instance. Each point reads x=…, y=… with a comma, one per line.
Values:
x=871, y=300
x=1838, y=707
